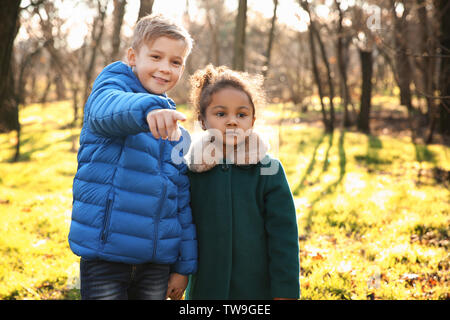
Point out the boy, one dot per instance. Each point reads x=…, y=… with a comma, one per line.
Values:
x=131, y=220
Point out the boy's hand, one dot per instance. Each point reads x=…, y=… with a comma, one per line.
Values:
x=163, y=123
x=177, y=285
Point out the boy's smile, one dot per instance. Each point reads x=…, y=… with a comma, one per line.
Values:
x=158, y=64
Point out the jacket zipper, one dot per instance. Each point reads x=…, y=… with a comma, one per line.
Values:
x=104, y=233
x=161, y=202
x=106, y=220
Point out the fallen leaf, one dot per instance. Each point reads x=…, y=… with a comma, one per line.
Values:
x=409, y=276
x=317, y=256
x=432, y=282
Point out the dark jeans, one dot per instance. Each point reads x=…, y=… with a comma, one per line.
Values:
x=104, y=280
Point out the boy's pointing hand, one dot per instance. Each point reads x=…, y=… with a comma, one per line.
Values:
x=163, y=123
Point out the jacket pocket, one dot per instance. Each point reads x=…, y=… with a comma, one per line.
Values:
x=105, y=227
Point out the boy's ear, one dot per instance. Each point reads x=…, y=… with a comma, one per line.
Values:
x=131, y=57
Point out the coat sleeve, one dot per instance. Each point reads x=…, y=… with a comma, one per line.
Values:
x=187, y=258
x=281, y=228
x=112, y=111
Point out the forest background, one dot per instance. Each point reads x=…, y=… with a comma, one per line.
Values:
x=358, y=112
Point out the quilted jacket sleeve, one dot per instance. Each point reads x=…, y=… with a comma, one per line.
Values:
x=187, y=259
x=113, y=111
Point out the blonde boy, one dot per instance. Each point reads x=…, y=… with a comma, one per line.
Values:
x=131, y=220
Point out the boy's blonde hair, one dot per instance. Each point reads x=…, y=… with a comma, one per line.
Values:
x=153, y=26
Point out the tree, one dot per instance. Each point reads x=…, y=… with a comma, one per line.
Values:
x=314, y=36
x=9, y=95
x=9, y=15
x=403, y=65
x=213, y=11
x=239, y=37
x=97, y=34
x=341, y=46
x=271, y=36
x=145, y=8
x=366, y=94
x=118, y=13
x=444, y=106
x=365, y=43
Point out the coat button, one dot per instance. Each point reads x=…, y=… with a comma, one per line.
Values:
x=225, y=167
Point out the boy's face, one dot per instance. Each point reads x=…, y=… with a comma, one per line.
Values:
x=158, y=64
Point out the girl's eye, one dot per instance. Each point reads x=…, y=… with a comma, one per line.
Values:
x=220, y=114
x=242, y=115
x=177, y=63
x=155, y=56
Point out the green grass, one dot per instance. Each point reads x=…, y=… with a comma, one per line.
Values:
x=35, y=207
x=364, y=213
x=373, y=221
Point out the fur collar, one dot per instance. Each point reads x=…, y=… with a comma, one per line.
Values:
x=205, y=153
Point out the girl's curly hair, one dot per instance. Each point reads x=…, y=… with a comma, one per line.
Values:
x=207, y=81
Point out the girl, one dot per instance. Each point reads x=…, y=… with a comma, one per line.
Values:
x=241, y=202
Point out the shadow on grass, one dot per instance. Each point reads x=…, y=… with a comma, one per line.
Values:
x=423, y=154
x=331, y=187
x=26, y=156
x=301, y=184
x=372, y=158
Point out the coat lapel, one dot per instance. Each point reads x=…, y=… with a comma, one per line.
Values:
x=205, y=153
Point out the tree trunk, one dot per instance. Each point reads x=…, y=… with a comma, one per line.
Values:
x=239, y=37
x=271, y=37
x=330, y=80
x=427, y=51
x=403, y=67
x=44, y=96
x=213, y=25
x=8, y=105
x=444, y=106
x=60, y=88
x=315, y=68
x=97, y=35
x=145, y=8
x=345, y=94
x=27, y=60
x=426, y=66
x=366, y=94
x=118, y=13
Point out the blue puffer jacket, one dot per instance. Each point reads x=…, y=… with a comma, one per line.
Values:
x=130, y=200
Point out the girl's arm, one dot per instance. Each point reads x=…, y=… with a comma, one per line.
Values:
x=281, y=227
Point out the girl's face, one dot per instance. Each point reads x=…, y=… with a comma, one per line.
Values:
x=230, y=113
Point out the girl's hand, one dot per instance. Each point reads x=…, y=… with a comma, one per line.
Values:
x=176, y=286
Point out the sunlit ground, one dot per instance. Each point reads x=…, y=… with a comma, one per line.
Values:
x=373, y=218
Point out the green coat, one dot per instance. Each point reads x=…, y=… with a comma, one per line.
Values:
x=247, y=234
